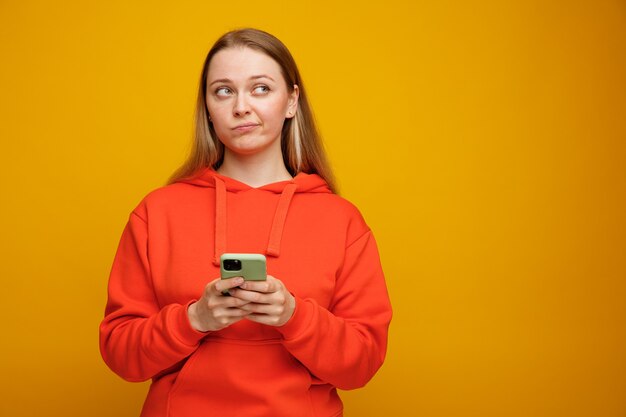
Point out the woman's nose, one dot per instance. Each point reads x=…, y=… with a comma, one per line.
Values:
x=241, y=105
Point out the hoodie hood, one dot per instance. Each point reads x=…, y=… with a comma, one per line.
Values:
x=301, y=183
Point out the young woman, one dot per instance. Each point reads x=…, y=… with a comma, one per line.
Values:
x=257, y=181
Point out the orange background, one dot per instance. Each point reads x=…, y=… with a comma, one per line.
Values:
x=484, y=141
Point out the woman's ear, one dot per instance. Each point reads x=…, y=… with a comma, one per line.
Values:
x=292, y=104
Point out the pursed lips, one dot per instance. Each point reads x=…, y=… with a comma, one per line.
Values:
x=246, y=126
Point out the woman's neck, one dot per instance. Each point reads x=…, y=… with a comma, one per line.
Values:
x=253, y=170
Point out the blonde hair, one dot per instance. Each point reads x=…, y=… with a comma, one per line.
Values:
x=301, y=144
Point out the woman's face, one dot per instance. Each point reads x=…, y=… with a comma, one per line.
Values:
x=248, y=100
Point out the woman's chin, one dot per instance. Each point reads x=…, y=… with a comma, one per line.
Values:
x=249, y=146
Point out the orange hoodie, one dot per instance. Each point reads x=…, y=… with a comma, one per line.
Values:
x=316, y=243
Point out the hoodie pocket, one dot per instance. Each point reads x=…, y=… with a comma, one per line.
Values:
x=229, y=377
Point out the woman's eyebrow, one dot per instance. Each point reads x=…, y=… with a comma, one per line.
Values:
x=254, y=77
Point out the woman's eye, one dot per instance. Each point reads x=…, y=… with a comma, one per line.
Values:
x=222, y=91
x=262, y=89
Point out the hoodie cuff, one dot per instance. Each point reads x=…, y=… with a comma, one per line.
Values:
x=299, y=321
x=185, y=333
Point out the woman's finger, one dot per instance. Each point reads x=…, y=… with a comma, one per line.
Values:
x=226, y=284
x=268, y=309
x=270, y=285
x=251, y=296
x=233, y=302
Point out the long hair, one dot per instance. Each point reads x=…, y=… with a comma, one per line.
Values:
x=301, y=144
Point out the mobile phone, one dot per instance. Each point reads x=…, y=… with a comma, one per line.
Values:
x=250, y=266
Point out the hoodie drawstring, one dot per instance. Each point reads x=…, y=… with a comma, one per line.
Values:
x=220, y=220
x=278, y=223
x=276, y=233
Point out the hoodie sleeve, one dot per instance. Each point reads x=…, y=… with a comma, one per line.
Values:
x=138, y=339
x=346, y=344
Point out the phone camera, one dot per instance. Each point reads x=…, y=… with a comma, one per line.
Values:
x=232, y=264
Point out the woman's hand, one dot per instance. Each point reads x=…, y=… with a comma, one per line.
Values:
x=267, y=302
x=214, y=311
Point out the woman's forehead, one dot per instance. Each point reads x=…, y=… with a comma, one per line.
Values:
x=242, y=63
